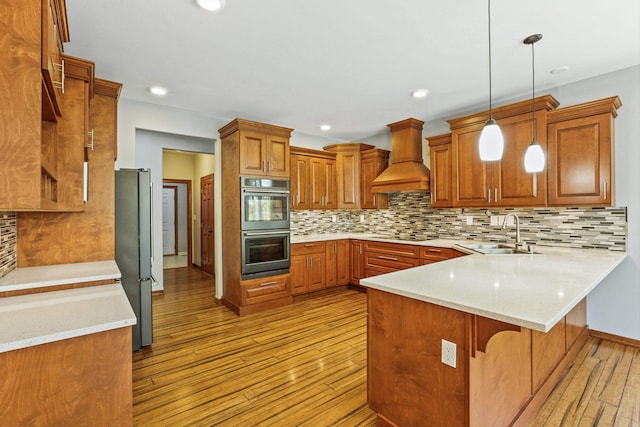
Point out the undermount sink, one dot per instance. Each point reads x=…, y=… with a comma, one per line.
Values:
x=495, y=249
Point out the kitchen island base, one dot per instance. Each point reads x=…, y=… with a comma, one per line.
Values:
x=502, y=376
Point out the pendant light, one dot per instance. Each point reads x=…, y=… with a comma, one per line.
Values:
x=534, y=157
x=491, y=139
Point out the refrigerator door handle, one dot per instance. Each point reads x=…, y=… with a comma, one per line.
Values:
x=151, y=243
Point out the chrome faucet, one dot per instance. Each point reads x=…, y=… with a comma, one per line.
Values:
x=504, y=225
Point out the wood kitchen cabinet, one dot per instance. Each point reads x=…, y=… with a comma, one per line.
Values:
x=337, y=259
x=54, y=32
x=263, y=149
x=308, y=267
x=387, y=257
x=581, y=153
x=476, y=183
x=254, y=149
x=356, y=252
x=440, y=164
x=431, y=254
x=313, y=179
x=348, y=173
x=373, y=163
x=263, y=289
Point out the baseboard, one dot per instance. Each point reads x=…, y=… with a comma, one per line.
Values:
x=615, y=338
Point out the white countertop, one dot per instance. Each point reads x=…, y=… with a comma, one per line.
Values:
x=532, y=291
x=34, y=319
x=52, y=275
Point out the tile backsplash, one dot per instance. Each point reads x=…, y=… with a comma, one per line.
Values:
x=410, y=217
x=8, y=234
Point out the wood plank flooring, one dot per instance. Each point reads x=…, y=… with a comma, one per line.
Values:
x=302, y=365
x=305, y=365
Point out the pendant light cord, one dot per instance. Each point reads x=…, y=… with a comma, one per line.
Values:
x=490, y=89
x=533, y=92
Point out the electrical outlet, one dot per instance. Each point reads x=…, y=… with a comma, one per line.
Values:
x=494, y=220
x=469, y=220
x=361, y=218
x=334, y=218
x=449, y=353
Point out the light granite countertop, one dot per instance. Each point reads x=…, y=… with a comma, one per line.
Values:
x=530, y=290
x=40, y=318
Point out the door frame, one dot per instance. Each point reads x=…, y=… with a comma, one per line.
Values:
x=189, y=214
x=173, y=188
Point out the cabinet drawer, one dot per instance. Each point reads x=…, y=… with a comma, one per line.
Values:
x=385, y=263
x=393, y=249
x=435, y=254
x=264, y=289
x=307, y=248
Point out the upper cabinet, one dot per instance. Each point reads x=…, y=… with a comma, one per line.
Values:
x=313, y=179
x=504, y=182
x=357, y=165
x=440, y=165
x=374, y=161
x=578, y=142
x=581, y=150
x=45, y=116
x=263, y=148
x=55, y=32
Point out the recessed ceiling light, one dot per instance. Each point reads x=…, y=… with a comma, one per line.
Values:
x=211, y=5
x=559, y=70
x=420, y=93
x=158, y=90
x=325, y=127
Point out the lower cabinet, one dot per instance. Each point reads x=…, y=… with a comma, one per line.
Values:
x=337, y=259
x=264, y=289
x=356, y=252
x=431, y=254
x=307, y=267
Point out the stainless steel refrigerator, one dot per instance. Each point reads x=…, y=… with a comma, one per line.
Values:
x=133, y=247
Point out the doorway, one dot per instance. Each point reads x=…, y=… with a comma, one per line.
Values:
x=176, y=223
x=206, y=227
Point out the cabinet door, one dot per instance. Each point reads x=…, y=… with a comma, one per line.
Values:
x=299, y=274
x=52, y=38
x=512, y=184
x=370, y=170
x=331, y=259
x=317, y=184
x=316, y=271
x=299, y=182
x=342, y=262
x=348, y=180
x=277, y=156
x=471, y=176
x=330, y=193
x=440, y=160
x=253, y=158
x=357, y=262
x=580, y=161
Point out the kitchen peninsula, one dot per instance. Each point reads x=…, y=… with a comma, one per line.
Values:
x=515, y=322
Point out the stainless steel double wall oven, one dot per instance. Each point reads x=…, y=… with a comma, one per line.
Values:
x=265, y=227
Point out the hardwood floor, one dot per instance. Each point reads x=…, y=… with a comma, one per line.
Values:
x=302, y=365
x=305, y=365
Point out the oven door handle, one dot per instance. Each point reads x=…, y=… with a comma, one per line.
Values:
x=263, y=233
x=245, y=190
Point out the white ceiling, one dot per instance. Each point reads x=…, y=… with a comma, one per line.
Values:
x=350, y=63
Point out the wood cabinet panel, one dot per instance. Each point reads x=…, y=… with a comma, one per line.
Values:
x=277, y=156
x=264, y=289
x=441, y=168
x=547, y=350
x=393, y=249
x=308, y=267
x=576, y=323
x=300, y=182
x=357, y=261
x=379, y=263
x=253, y=155
x=343, y=267
x=472, y=178
x=85, y=380
x=580, y=159
x=431, y=254
x=373, y=163
x=313, y=179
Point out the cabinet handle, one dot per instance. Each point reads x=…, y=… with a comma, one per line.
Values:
x=269, y=166
x=60, y=84
x=374, y=199
x=433, y=250
x=489, y=195
x=387, y=258
x=268, y=283
x=308, y=245
x=605, y=190
x=91, y=133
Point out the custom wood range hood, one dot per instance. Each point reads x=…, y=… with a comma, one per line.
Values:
x=406, y=172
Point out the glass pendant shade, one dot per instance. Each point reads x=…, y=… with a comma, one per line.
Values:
x=534, y=158
x=491, y=142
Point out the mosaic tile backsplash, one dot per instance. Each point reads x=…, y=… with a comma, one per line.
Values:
x=8, y=234
x=410, y=217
